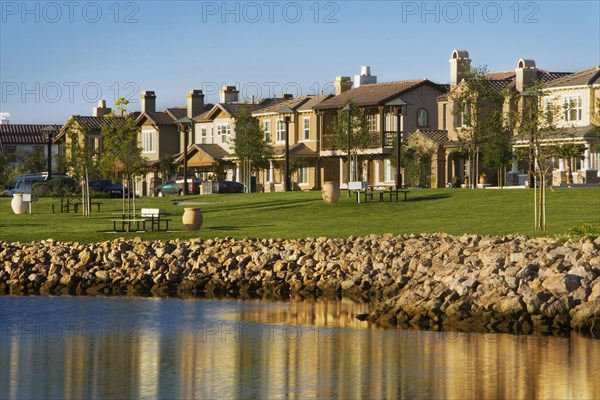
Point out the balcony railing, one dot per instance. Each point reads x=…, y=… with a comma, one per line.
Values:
x=329, y=141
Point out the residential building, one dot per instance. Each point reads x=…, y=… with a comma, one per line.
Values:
x=161, y=136
x=216, y=127
x=303, y=144
x=378, y=101
x=449, y=163
x=19, y=141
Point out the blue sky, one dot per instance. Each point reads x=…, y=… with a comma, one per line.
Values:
x=59, y=58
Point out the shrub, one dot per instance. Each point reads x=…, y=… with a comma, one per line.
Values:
x=58, y=187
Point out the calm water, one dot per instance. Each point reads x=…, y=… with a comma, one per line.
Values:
x=86, y=347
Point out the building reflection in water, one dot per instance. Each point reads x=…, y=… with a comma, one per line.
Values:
x=230, y=349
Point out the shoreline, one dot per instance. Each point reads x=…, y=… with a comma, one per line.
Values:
x=469, y=283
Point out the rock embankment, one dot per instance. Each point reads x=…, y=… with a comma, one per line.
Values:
x=435, y=281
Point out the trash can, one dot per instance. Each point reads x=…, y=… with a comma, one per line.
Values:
x=251, y=184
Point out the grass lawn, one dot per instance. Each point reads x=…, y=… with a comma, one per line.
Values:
x=302, y=214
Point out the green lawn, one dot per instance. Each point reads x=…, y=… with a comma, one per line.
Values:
x=302, y=214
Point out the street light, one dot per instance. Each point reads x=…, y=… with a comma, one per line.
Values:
x=48, y=133
x=349, y=109
x=185, y=125
x=400, y=106
x=287, y=113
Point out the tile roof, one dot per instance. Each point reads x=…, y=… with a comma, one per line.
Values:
x=589, y=76
x=298, y=150
x=23, y=133
x=94, y=123
x=215, y=151
x=292, y=103
x=159, y=118
x=313, y=101
x=375, y=94
x=439, y=136
x=233, y=108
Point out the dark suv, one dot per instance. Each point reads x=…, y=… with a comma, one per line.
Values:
x=106, y=186
x=175, y=186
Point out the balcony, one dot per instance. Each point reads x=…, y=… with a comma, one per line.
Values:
x=329, y=141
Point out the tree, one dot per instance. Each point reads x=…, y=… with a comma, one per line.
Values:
x=34, y=162
x=81, y=161
x=538, y=124
x=497, y=152
x=568, y=151
x=122, y=153
x=249, y=144
x=359, y=139
x=416, y=159
x=166, y=166
x=477, y=116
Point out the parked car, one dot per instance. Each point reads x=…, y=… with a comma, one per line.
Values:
x=175, y=186
x=107, y=186
x=230, y=187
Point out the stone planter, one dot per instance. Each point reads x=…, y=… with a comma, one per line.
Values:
x=18, y=205
x=192, y=219
x=331, y=192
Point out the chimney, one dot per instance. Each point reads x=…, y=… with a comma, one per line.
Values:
x=365, y=77
x=342, y=84
x=287, y=96
x=101, y=110
x=526, y=73
x=195, y=103
x=460, y=65
x=148, y=101
x=229, y=94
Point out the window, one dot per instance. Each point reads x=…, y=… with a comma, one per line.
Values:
x=462, y=116
x=372, y=122
x=391, y=122
x=572, y=106
x=267, y=129
x=548, y=109
x=10, y=149
x=306, y=128
x=223, y=131
x=422, y=118
x=148, y=141
x=388, y=170
x=94, y=143
x=203, y=138
x=280, y=130
x=303, y=174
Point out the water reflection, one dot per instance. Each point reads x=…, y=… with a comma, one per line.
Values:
x=148, y=348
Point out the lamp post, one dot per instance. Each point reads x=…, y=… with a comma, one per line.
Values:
x=400, y=106
x=185, y=125
x=48, y=133
x=287, y=112
x=348, y=109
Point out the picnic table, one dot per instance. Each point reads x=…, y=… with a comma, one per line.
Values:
x=72, y=204
x=133, y=222
x=367, y=192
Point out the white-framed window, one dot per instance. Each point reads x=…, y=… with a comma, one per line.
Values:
x=572, y=106
x=389, y=170
x=203, y=136
x=462, y=116
x=94, y=143
x=9, y=149
x=267, y=130
x=223, y=131
x=391, y=122
x=306, y=128
x=302, y=174
x=422, y=118
x=372, y=122
x=280, y=131
x=148, y=141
